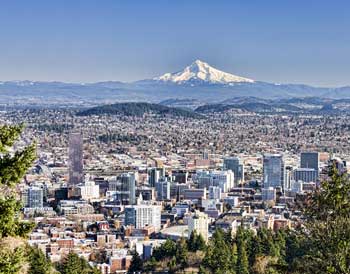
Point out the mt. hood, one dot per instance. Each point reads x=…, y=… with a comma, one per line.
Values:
x=201, y=71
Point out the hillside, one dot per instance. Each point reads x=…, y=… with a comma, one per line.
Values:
x=138, y=109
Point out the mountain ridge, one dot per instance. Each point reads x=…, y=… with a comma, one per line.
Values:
x=198, y=81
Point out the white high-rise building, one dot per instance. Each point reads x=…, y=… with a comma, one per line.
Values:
x=222, y=179
x=89, y=190
x=143, y=215
x=199, y=223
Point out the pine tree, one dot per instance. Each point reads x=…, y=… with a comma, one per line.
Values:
x=181, y=253
x=192, y=241
x=200, y=243
x=219, y=257
x=73, y=264
x=39, y=264
x=136, y=264
x=326, y=237
x=13, y=167
x=242, y=262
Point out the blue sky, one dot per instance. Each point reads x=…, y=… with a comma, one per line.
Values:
x=288, y=41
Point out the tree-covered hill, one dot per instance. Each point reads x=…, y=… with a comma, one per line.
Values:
x=138, y=109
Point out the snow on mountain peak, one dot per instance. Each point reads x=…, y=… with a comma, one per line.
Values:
x=200, y=70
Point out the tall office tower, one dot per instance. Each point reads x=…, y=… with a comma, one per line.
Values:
x=237, y=166
x=198, y=222
x=35, y=197
x=154, y=175
x=306, y=175
x=222, y=179
x=143, y=215
x=163, y=189
x=75, y=159
x=274, y=171
x=310, y=160
x=127, y=188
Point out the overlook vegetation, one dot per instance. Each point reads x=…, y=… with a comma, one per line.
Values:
x=138, y=109
x=16, y=257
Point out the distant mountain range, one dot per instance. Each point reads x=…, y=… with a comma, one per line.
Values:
x=198, y=82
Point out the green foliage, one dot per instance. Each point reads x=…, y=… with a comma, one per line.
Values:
x=11, y=260
x=181, y=253
x=73, y=264
x=136, y=264
x=13, y=167
x=196, y=242
x=166, y=250
x=242, y=262
x=219, y=257
x=10, y=223
x=39, y=264
x=326, y=235
x=139, y=109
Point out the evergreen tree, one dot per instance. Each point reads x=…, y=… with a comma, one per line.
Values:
x=200, y=243
x=326, y=236
x=219, y=257
x=13, y=167
x=73, y=264
x=39, y=264
x=168, y=249
x=192, y=241
x=196, y=242
x=181, y=253
x=242, y=258
x=136, y=265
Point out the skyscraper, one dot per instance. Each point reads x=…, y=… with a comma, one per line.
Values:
x=143, y=215
x=274, y=171
x=75, y=161
x=234, y=164
x=33, y=197
x=310, y=160
x=154, y=175
x=128, y=188
x=163, y=189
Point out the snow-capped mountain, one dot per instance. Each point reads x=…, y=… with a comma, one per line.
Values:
x=198, y=81
x=201, y=71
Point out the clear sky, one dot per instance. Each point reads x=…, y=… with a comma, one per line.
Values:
x=288, y=41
